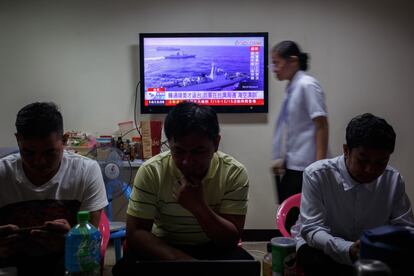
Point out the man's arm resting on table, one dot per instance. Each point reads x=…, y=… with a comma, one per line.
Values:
x=142, y=242
x=314, y=229
x=223, y=229
x=337, y=248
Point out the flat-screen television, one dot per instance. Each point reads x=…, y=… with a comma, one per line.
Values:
x=227, y=71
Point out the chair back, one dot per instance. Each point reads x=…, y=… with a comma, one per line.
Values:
x=118, y=228
x=283, y=210
x=105, y=233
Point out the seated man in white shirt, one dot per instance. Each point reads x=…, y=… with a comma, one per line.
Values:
x=44, y=187
x=343, y=196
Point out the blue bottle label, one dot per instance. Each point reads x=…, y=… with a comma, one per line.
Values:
x=82, y=250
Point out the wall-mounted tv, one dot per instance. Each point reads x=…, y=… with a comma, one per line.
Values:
x=227, y=71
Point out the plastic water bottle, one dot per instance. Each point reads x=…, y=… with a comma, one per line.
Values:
x=82, y=248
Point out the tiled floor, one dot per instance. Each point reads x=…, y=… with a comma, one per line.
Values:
x=256, y=249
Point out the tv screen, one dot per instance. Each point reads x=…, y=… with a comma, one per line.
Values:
x=227, y=71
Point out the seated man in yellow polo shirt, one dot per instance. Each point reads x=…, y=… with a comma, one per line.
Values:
x=189, y=202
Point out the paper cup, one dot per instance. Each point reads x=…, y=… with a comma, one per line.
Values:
x=283, y=255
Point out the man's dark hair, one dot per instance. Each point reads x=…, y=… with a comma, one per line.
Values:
x=39, y=120
x=189, y=117
x=369, y=131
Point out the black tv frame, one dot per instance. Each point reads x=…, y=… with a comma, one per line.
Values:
x=218, y=109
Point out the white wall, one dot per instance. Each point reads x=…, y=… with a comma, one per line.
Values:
x=84, y=56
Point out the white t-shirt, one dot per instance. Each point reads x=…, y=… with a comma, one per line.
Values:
x=77, y=186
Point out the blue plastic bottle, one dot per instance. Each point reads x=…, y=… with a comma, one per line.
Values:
x=82, y=248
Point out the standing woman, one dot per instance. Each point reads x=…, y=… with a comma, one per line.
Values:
x=301, y=134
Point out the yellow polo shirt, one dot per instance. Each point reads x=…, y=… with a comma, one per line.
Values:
x=225, y=189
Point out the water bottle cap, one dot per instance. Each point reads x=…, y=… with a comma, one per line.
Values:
x=83, y=216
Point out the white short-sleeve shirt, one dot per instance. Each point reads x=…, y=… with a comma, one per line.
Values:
x=306, y=102
x=77, y=186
